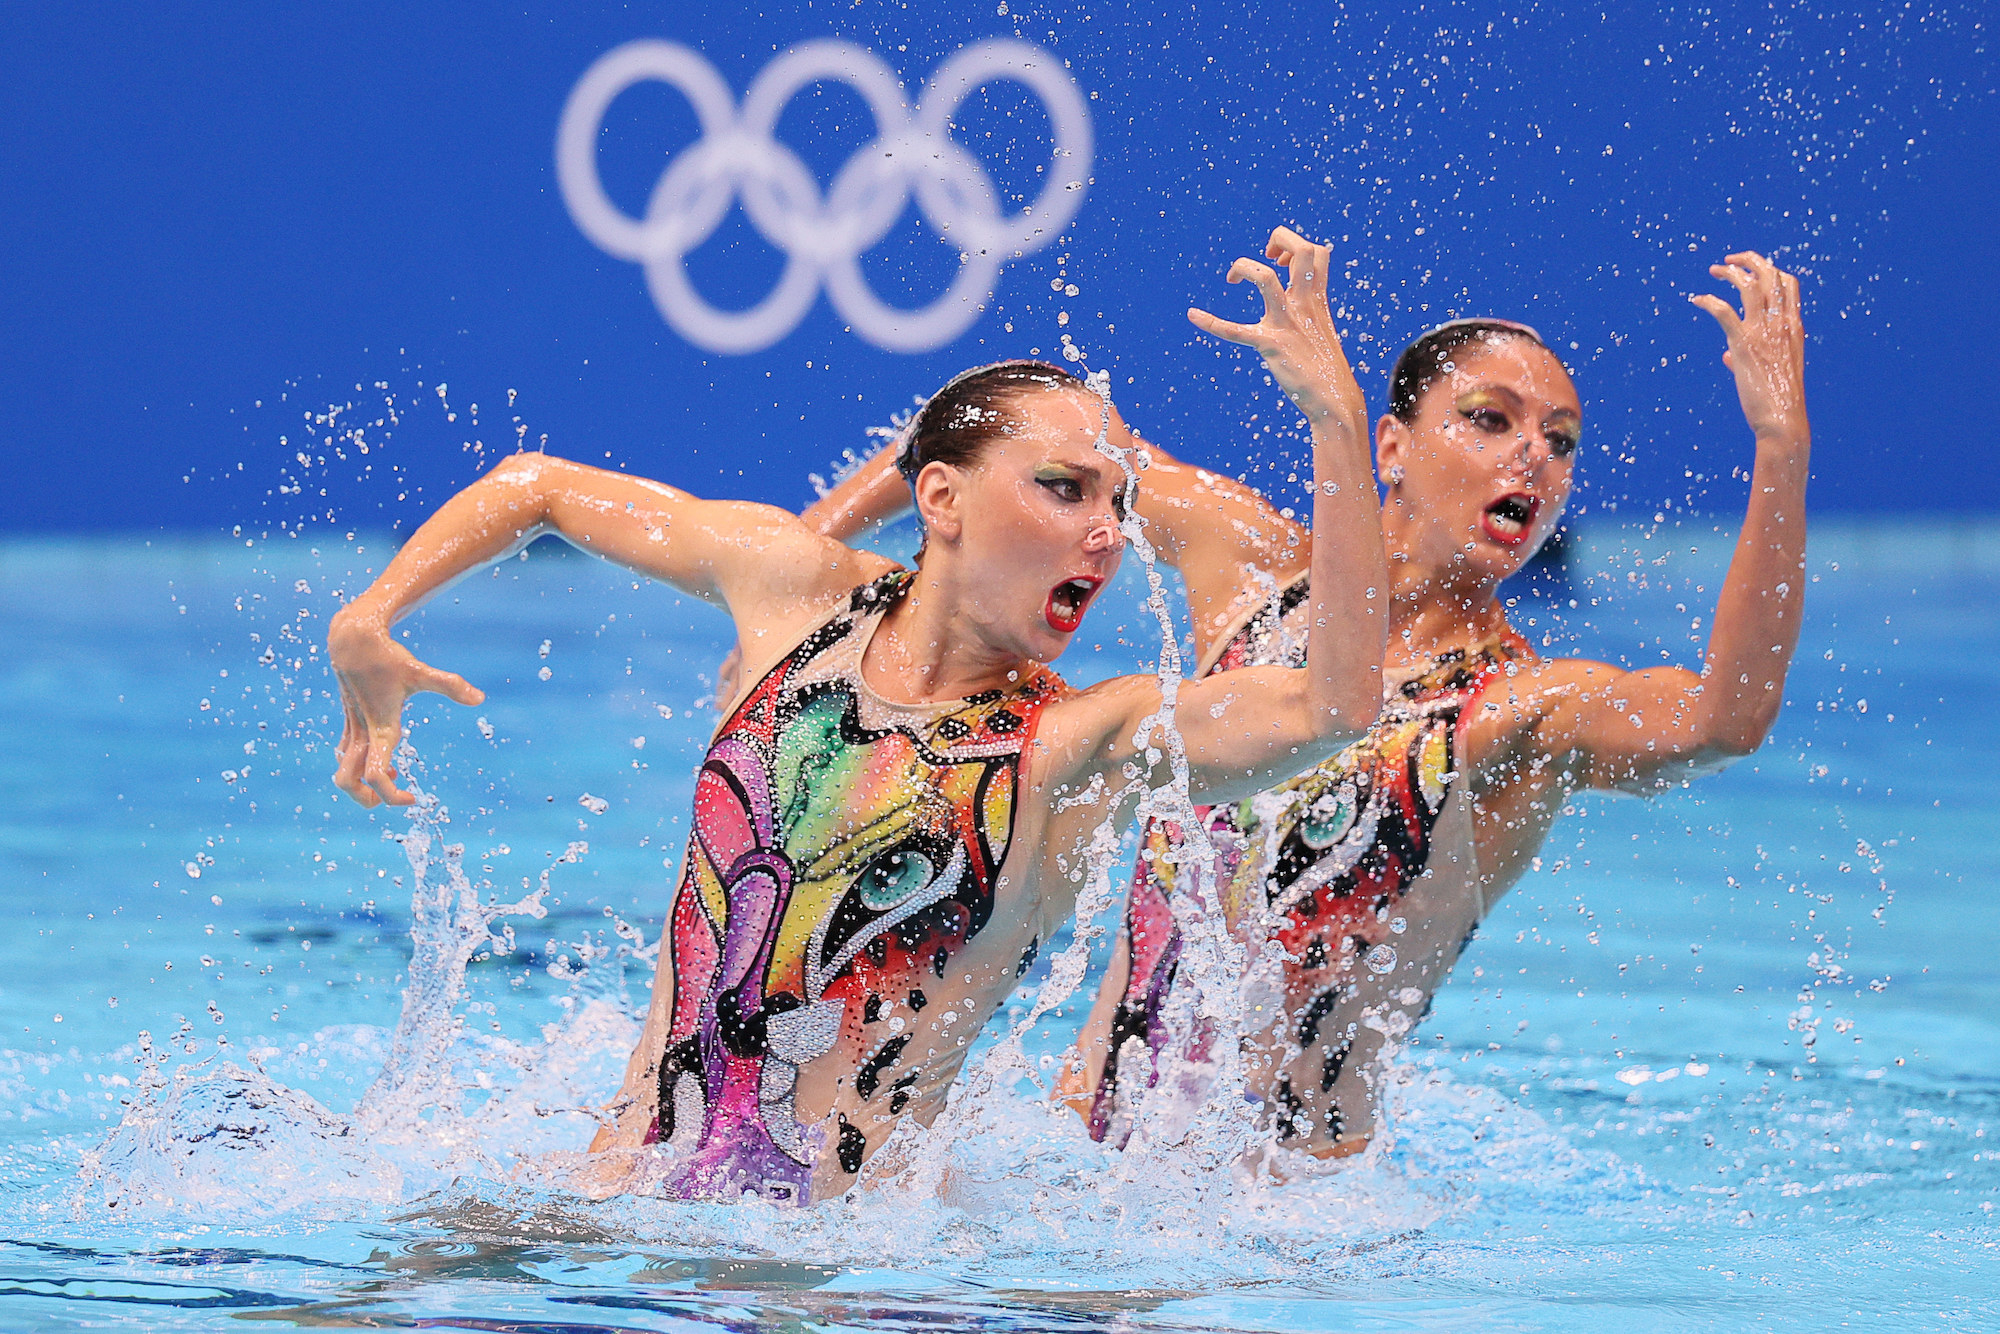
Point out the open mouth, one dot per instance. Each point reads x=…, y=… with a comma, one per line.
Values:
x=1064, y=609
x=1509, y=519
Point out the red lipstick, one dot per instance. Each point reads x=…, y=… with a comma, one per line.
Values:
x=1066, y=602
x=1511, y=518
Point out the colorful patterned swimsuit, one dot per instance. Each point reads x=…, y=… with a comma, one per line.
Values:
x=844, y=849
x=1320, y=860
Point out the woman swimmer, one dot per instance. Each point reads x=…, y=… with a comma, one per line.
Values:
x=1365, y=876
x=870, y=867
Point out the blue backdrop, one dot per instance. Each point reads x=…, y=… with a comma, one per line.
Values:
x=223, y=218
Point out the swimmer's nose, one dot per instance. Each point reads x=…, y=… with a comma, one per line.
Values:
x=1104, y=535
x=1524, y=461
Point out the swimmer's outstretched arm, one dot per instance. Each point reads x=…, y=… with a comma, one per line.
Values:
x=1248, y=729
x=757, y=560
x=1643, y=731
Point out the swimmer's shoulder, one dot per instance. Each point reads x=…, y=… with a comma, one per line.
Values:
x=793, y=560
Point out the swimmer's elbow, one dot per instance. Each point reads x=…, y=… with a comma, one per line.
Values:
x=524, y=467
x=524, y=485
x=1726, y=750
x=1731, y=739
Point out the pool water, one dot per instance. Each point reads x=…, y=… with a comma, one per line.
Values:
x=1730, y=1059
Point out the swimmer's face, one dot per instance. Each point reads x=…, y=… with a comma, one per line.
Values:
x=1030, y=531
x=1486, y=466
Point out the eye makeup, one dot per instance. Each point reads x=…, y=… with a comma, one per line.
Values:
x=1475, y=404
x=1061, y=481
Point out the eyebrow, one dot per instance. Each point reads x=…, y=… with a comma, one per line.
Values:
x=1087, y=471
x=1506, y=392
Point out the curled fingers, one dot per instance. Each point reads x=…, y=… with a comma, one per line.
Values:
x=378, y=772
x=1305, y=262
x=1266, y=279
x=1725, y=314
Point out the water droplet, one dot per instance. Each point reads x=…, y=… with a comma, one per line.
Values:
x=1399, y=925
x=1381, y=959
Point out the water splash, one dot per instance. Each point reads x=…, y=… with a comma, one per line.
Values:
x=418, y=1094
x=223, y=1139
x=230, y=1141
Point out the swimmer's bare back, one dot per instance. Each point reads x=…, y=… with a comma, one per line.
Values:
x=894, y=812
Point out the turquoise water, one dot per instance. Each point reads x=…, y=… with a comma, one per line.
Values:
x=1613, y=1119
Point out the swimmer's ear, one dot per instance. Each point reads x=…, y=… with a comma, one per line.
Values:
x=940, y=495
x=1392, y=444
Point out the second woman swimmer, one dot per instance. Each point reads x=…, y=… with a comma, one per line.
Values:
x=891, y=816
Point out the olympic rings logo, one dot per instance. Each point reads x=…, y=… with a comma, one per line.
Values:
x=822, y=237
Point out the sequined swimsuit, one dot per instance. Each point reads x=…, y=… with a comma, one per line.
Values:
x=1319, y=860
x=844, y=849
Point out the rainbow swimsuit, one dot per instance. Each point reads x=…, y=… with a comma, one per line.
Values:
x=844, y=848
x=1317, y=860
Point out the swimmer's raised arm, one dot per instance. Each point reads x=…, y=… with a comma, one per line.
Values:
x=758, y=560
x=1248, y=729
x=874, y=493
x=1642, y=731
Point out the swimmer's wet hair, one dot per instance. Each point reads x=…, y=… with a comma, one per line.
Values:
x=1426, y=359
x=973, y=408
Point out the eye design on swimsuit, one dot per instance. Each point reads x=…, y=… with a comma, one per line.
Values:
x=894, y=888
x=844, y=847
x=894, y=878
x=1328, y=818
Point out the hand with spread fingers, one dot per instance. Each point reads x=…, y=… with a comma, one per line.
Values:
x=377, y=677
x=1766, y=345
x=1296, y=335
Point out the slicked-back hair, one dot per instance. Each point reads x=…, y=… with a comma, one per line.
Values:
x=1425, y=361
x=972, y=410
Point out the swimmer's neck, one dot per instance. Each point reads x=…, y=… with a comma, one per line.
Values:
x=932, y=646
x=1433, y=610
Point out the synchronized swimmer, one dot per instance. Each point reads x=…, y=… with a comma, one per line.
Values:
x=1361, y=880
x=893, y=813
x=890, y=818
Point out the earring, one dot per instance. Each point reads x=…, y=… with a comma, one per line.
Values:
x=1395, y=474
